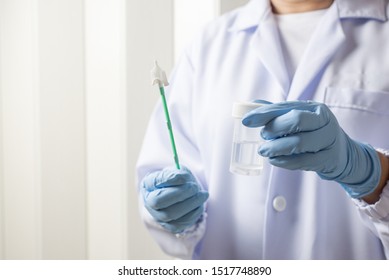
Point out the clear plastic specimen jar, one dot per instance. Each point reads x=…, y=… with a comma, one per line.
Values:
x=245, y=159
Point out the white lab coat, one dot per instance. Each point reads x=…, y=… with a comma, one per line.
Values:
x=238, y=58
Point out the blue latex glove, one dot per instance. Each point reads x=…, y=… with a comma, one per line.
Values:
x=305, y=135
x=174, y=198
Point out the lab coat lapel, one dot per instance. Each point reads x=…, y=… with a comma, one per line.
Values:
x=326, y=39
x=266, y=42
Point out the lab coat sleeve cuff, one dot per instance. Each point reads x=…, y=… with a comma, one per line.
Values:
x=380, y=209
x=183, y=245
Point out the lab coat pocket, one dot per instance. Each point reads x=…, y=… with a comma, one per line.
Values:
x=363, y=114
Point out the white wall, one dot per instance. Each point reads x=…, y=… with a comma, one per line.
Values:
x=20, y=150
x=106, y=127
x=75, y=98
x=43, y=123
x=60, y=129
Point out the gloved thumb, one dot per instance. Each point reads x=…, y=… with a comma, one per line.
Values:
x=167, y=177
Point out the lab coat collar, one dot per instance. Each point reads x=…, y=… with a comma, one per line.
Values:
x=250, y=15
x=372, y=9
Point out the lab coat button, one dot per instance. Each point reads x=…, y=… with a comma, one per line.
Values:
x=279, y=203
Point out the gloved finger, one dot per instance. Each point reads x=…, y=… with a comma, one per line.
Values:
x=307, y=162
x=169, y=176
x=261, y=101
x=162, y=198
x=179, y=209
x=296, y=121
x=263, y=114
x=185, y=221
x=304, y=142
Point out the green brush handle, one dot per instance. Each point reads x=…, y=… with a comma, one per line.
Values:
x=169, y=126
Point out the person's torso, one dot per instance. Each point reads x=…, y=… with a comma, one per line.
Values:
x=346, y=66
